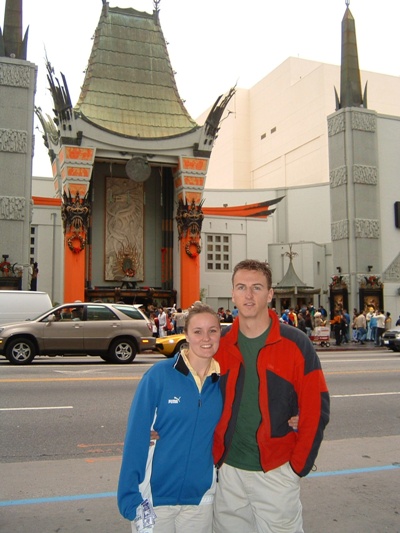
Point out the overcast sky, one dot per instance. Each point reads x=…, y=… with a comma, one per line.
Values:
x=212, y=44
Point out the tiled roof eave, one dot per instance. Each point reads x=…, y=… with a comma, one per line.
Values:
x=138, y=137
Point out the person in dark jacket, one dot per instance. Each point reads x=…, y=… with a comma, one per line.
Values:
x=336, y=323
x=272, y=373
x=301, y=323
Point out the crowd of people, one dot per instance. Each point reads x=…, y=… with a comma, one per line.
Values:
x=171, y=320
x=166, y=320
x=364, y=326
x=360, y=327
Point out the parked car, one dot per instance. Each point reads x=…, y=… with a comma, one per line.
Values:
x=172, y=344
x=16, y=306
x=115, y=332
x=391, y=339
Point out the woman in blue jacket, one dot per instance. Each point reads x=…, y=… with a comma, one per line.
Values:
x=180, y=399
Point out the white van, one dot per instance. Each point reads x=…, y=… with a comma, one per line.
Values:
x=17, y=306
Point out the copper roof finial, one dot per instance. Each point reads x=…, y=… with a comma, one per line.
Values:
x=291, y=254
x=11, y=42
x=350, y=78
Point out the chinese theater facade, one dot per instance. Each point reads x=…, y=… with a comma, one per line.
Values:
x=129, y=167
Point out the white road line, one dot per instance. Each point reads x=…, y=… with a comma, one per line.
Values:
x=35, y=408
x=378, y=359
x=91, y=371
x=361, y=395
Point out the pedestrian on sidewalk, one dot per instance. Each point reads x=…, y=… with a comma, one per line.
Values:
x=373, y=325
x=388, y=321
x=336, y=323
x=345, y=327
x=361, y=327
x=353, y=325
x=380, y=327
x=368, y=317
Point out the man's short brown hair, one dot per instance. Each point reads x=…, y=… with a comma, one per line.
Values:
x=258, y=266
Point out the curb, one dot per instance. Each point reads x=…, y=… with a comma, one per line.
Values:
x=350, y=347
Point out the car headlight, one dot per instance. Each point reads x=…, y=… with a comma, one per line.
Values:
x=397, y=335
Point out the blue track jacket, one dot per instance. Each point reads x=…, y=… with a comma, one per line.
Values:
x=179, y=469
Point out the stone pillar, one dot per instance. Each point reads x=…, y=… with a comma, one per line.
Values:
x=354, y=182
x=17, y=93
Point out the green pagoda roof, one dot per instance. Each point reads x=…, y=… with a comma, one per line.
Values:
x=129, y=87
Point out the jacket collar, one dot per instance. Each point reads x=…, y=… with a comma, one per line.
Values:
x=181, y=366
x=274, y=335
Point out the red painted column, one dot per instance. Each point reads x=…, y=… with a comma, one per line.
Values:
x=72, y=171
x=190, y=274
x=189, y=183
x=74, y=271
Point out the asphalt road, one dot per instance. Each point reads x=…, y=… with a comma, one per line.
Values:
x=63, y=423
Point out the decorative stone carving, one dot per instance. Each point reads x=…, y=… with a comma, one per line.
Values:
x=365, y=228
x=340, y=230
x=346, y=279
x=189, y=219
x=12, y=208
x=75, y=213
x=138, y=168
x=365, y=174
x=124, y=231
x=338, y=177
x=336, y=124
x=369, y=282
x=363, y=121
x=15, y=75
x=338, y=282
x=392, y=273
x=13, y=141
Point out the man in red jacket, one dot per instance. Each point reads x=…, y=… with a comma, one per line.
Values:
x=269, y=373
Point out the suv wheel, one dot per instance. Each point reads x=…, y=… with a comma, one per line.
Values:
x=20, y=351
x=122, y=351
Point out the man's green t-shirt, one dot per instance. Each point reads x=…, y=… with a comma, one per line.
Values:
x=244, y=452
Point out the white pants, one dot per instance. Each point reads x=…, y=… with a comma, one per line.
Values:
x=257, y=502
x=182, y=519
x=162, y=332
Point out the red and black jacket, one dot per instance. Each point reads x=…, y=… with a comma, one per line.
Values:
x=290, y=382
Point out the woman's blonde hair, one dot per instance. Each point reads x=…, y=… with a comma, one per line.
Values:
x=197, y=309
